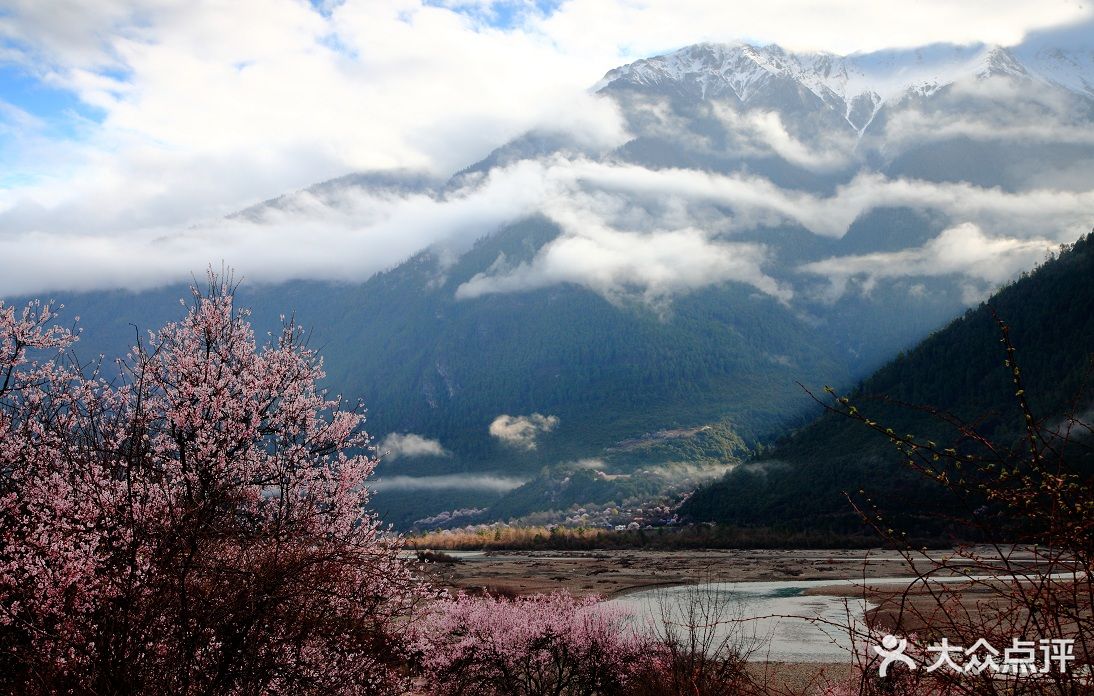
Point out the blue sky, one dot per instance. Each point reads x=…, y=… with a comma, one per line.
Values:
x=60, y=109
x=506, y=14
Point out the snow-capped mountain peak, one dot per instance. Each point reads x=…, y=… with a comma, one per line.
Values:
x=876, y=77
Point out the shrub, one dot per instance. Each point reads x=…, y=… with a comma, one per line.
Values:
x=701, y=646
x=531, y=646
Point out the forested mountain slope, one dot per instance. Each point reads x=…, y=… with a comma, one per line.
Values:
x=959, y=370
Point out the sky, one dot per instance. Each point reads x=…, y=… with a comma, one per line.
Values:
x=125, y=127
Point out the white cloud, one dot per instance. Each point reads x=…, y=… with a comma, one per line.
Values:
x=1003, y=110
x=915, y=128
x=522, y=431
x=633, y=230
x=397, y=445
x=445, y=482
x=210, y=106
x=844, y=26
x=613, y=262
x=755, y=200
x=764, y=131
x=350, y=236
x=769, y=127
x=627, y=230
x=963, y=250
x=684, y=472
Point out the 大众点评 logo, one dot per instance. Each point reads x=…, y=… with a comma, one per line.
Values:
x=1023, y=657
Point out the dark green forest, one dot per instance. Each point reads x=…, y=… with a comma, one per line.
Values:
x=801, y=482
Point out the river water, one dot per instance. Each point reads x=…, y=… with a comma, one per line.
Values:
x=776, y=620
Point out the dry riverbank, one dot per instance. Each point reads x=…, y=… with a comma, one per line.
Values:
x=610, y=573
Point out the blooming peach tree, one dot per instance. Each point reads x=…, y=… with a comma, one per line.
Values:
x=539, y=645
x=195, y=522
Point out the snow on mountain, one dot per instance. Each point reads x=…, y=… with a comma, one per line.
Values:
x=1071, y=69
x=860, y=81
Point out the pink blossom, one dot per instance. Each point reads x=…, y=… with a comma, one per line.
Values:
x=544, y=644
x=198, y=525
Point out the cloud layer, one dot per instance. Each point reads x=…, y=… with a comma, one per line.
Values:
x=448, y=482
x=522, y=432
x=626, y=230
x=168, y=116
x=964, y=249
x=397, y=445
